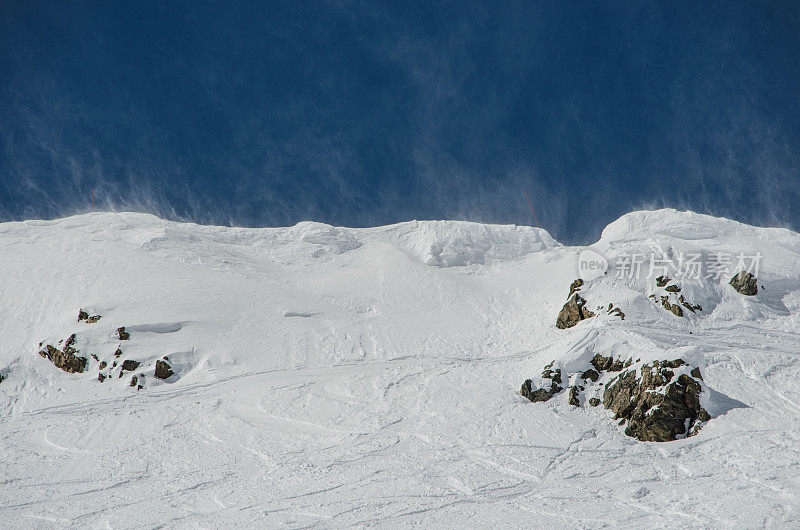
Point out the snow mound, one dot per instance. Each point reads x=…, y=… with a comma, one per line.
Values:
x=689, y=231
x=456, y=243
x=328, y=239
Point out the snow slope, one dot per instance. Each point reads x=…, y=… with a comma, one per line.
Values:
x=336, y=377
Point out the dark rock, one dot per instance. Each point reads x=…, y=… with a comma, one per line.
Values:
x=95, y=357
x=619, y=397
x=118, y=353
x=84, y=316
x=675, y=309
x=130, y=365
x=575, y=287
x=134, y=380
x=65, y=359
x=673, y=289
x=123, y=335
x=696, y=373
x=594, y=401
x=102, y=365
x=527, y=391
x=616, y=311
x=657, y=407
x=574, y=400
x=164, y=371
x=606, y=364
x=590, y=374
x=573, y=312
x=687, y=305
x=538, y=395
x=101, y=377
x=745, y=283
x=662, y=280
x=553, y=375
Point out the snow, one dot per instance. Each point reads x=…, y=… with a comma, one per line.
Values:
x=335, y=377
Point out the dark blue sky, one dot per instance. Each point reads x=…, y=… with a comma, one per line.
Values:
x=366, y=113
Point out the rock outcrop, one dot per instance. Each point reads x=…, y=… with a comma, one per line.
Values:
x=689, y=306
x=745, y=283
x=542, y=394
x=606, y=364
x=164, y=370
x=675, y=309
x=574, y=396
x=573, y=312
x=83, y=316
x=108, y=366
x=615, y=311
x=130, y=365
x=575, y=287
x=658, y=402
x=672, y=290
x=65, y=358
x=658, y=406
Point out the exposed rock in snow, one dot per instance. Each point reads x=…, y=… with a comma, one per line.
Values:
x=83, y=316
x=65, y=358
x=605, y=364
x=130, y=365
x=543, y=394
x=573, y=312
x=745, y=283
x=575, y=287
x=574, y=396
x=658, y=404
x=163, y=369
x=675, y=309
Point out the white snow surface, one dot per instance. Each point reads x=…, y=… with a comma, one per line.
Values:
x=341, y=377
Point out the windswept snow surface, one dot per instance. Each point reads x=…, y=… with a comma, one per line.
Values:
x=334, y=377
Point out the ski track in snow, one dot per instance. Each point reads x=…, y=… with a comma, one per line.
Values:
x=367, y=377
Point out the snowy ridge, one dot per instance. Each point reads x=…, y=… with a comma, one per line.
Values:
x=329, y=376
